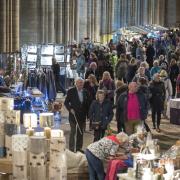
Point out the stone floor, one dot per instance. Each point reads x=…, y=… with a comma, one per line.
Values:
x=169, y=133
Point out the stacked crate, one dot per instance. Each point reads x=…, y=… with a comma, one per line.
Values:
x=12, y=121
x=57, y=166
x=2, y=135
x=9, y=120
x=38, y=158
x=20, y=156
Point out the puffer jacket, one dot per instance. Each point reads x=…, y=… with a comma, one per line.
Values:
x=102, y=113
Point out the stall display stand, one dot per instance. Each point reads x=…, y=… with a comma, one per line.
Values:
x=20, y=156
x=2, y=135
x=57, y=167
x=12, y=120
x=9, y=120
x=37, y=158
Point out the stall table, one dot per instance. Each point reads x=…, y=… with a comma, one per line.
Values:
x=175, y=111
x=124, y=176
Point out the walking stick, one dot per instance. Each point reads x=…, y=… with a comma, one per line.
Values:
x=77, y=128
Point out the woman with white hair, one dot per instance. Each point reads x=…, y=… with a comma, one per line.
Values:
x=101, y=150
x=155, y=69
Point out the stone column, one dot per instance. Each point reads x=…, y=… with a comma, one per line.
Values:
x=97, y=15
x=161, y=12
x=145, y=12
x=51, y=21
x=42, y=18
x=77, y=21
x=177, y=12
x=9, y=29
x=92, y=19
x=15, y=25
x=89, y=18
x=104, y=17
x=3, y=42
x=66, y=21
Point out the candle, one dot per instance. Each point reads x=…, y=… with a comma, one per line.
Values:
x=57, y=133
x=39, y=134
x=46, y=119
x=30, y=132
x=47, y=132
x=30, y=120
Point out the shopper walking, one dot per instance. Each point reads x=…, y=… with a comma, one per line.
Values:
x=131, y=109
x=173, y=74
x=121, y=68
x=92, y=70
x=108, y=85
x=101, y=114
x=91, y=85
x=155, y=69
x=80, y=63
x=168, y=87
x=77, y=103
x=56, y=72
x=158, y=93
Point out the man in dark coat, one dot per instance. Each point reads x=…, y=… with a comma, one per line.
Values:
x=131, y=109
x=92, y=70
x=77, y=103
x=121, y=49
x=56, y=71
x=150, y=53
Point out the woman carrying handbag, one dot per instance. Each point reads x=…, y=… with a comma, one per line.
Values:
x=101, y=114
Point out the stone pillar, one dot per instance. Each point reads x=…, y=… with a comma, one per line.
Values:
x=89, y=18
x=77, y=21
x=145, y=12
x=97, y=15
x=15, y=25
x=66, y=23
x=9, y=29
x=51, y=21
x=103, y=17
x=59, y=25
x=3, y=37
x=178, y=13
x=92, y=19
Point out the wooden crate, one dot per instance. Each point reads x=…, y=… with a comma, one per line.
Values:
x=5, y=169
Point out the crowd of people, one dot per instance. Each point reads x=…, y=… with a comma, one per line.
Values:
x=129, y=84
x=115, y=83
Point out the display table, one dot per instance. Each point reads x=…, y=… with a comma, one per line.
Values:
x=175, y=111
x=6, y=171
x=124, y=176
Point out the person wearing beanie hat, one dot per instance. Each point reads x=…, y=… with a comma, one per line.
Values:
x=101, y=150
